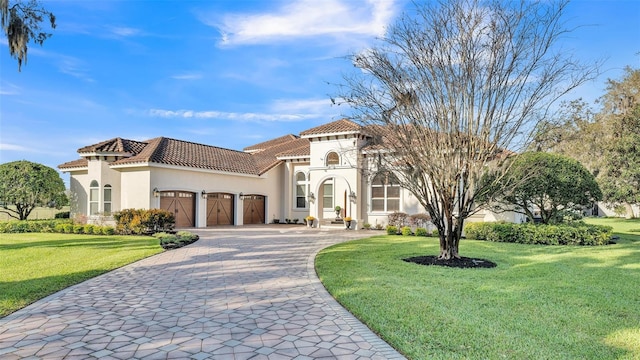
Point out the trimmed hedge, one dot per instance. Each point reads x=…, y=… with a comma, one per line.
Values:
x=174, y=241
x=574, y=233
x=392, y=230
x=53, y=226
x=406, y=231
x=421, y=232
x=143, y=221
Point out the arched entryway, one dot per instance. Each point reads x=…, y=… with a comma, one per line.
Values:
x=182, y=204
x=333, y=191
x=253, y=209
x=220, y=209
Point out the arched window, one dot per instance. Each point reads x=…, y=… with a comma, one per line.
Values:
x=106, y=199
x=94, y=197
x=333, y=159
x=385, y=193
x=301, y=190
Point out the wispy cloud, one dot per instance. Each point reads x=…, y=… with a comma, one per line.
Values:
x=13, y=147
x=7, y=88
x=125, y=31
x=187, y=76
x=222, y=115
x=282, y=110
x=306, y=18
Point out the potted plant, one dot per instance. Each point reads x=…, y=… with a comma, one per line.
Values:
x=310, y=219
x=338, y=208
x=347, y=222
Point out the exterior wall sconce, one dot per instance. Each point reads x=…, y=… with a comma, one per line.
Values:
x=241, y=196
x=204, y=194
x=156, y=192
x=353, y=197
x=311, y=197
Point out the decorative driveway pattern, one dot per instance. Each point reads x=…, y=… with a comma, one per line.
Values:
x=237, y=293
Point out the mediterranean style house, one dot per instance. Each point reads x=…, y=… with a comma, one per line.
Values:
x=290, y=177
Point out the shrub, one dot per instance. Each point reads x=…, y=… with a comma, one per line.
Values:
x=392, y=230
x=421, y=231
x=398, y=219
x=406, y=231
x=420, y=220
x=62, y=215
x=89, y=229
x=378, y=226
x=435, y=233
x=30, y=226
x=575, y=233
x=141, y=221
x=366, y=226
x=108, y=230
x=68, y=228
x=174, y=241
x=78, y=229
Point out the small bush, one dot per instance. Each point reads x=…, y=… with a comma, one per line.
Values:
x=421, y=232
x=142, y=221
x=62, y=215
x=78, y=229
x=89, y=229
x=68, y=228
x=435, y=233
x=366, y=226
x=406, y=231
x=398, y=219
x=392, y=230
x=379, y=227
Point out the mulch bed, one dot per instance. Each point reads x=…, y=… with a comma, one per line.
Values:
x=463, y=262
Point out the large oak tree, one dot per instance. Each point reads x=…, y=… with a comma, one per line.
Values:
x=25, y=185
x=450, y=87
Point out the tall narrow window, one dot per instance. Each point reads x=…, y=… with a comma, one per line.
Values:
x=327, y=196
x=94, y=198
x=333, y=159
x=106, y=200
x=301, y=190
x=385, y=193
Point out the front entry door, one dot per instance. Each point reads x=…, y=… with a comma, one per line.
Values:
x=181, y=204
x=219, y=209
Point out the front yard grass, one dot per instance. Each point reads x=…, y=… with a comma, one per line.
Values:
x=540, y=302
x=35, y=265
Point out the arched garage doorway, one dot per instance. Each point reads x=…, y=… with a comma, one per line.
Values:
x=182, y=204
x=253, y=209
x=219, y=209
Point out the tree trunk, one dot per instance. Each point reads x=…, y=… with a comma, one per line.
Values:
x=629, y=214
x=448, y=246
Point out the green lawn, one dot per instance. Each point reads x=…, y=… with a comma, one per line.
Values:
x=540, y=302
x=34, y=265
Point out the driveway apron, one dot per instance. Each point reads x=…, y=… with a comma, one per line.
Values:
x=237, y=293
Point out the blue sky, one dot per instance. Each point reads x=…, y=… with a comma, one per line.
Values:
x=225, y=73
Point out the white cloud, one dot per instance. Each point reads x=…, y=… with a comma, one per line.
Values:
x=7, y=88
x=124, y=31
x=222, y=115
x=187, y=76
x=306, y=18
x=13, y=147
x=282, y=110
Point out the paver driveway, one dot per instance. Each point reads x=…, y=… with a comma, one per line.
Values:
x=237, y=293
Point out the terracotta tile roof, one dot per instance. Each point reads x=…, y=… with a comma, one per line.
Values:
x=116, y=145
x=302, y=151
x=270, y=143
x=338, y=126
x=268, y=158
x=74, y=164
x=169, y=151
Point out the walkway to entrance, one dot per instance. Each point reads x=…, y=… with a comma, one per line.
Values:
x=237, y=293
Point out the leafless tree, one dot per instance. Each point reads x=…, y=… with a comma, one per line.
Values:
x=455, y=86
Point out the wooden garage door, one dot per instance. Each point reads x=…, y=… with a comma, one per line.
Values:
x=182, y=204
x=219, y=209
x=253, y=209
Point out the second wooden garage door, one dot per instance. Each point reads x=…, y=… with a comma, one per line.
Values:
x=219, y=209
x=253, y=209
